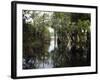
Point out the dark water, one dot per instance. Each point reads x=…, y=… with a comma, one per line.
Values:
x=59, y=56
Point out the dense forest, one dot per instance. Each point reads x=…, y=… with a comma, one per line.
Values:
x=56, y=39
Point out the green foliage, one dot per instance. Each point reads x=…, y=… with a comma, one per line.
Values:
x=36, y=37
x=71, y=33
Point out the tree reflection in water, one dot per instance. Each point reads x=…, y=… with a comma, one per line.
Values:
x=56, y=39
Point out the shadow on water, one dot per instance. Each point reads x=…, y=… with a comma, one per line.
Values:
x=57, y=55
x=42, y=61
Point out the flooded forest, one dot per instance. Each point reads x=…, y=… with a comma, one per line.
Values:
x=56, y=39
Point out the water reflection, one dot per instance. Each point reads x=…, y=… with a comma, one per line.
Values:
x=57, y=52
x=48, y=61
x=42, y=61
